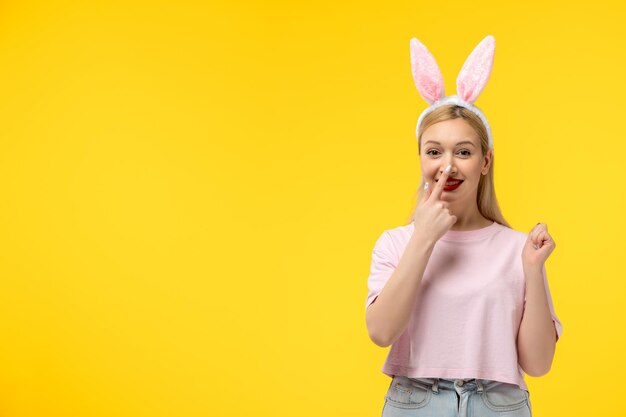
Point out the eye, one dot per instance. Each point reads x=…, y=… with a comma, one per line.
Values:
x=464, y=152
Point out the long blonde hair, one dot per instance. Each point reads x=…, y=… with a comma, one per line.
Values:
x=486, y=195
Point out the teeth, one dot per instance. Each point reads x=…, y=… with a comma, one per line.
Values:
x=453, y=182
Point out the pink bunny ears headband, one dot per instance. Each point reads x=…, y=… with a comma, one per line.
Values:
x=469, y=83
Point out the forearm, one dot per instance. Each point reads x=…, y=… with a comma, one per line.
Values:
x=389, y=315
x=536, y=339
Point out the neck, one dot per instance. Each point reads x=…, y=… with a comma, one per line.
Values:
x=470, y=220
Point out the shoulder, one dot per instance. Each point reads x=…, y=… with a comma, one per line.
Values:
x=400, y=233
x=394, y=240
x=391, y=242
x=511, y=236
x=510, y=232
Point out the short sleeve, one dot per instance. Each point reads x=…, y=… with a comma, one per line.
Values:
x=557, y=323
x=382, y=266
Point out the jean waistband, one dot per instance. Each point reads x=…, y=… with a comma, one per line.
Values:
x=451, y=384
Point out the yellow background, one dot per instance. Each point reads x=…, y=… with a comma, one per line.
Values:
x=191, y=192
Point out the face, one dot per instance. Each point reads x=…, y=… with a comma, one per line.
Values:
x=454, y=142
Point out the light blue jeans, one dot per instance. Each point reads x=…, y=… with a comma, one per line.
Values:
x=438, y=397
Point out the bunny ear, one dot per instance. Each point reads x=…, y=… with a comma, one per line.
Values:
x=476, y=70
x=426, y=73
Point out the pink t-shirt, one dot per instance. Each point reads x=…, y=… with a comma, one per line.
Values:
x=468, y=309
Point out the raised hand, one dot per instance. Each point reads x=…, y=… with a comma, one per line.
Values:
x=539, y=245
x=432, y=215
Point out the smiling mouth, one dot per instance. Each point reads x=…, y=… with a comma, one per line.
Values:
x=452, y=185
x=451, y=182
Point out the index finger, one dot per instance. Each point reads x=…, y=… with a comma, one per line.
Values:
x=438, y=189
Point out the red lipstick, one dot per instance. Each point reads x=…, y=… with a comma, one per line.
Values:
x=452, y=187
x=451, y=179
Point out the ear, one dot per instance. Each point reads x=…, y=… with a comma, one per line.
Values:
x=426, y=73
x=488, y=158
x=476, y=70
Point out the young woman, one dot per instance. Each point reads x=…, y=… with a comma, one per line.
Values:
x=461, y=297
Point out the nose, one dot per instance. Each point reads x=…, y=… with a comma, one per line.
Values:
x=446, y=159
x=444, y=166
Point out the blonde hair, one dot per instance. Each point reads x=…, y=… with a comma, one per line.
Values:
x=486, y=195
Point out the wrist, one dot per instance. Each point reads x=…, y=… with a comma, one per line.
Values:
x=533, y=270
x=419, y=240
x=533, y=265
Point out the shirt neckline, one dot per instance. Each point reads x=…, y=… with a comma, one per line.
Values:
x=468, y=235
x=464, y=235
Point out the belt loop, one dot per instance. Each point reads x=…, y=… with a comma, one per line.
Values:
x=435, y=386
x=480, y=385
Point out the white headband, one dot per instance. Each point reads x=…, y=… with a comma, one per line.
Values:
x=469, y=83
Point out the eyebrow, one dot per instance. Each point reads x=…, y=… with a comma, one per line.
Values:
x=460, y=143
